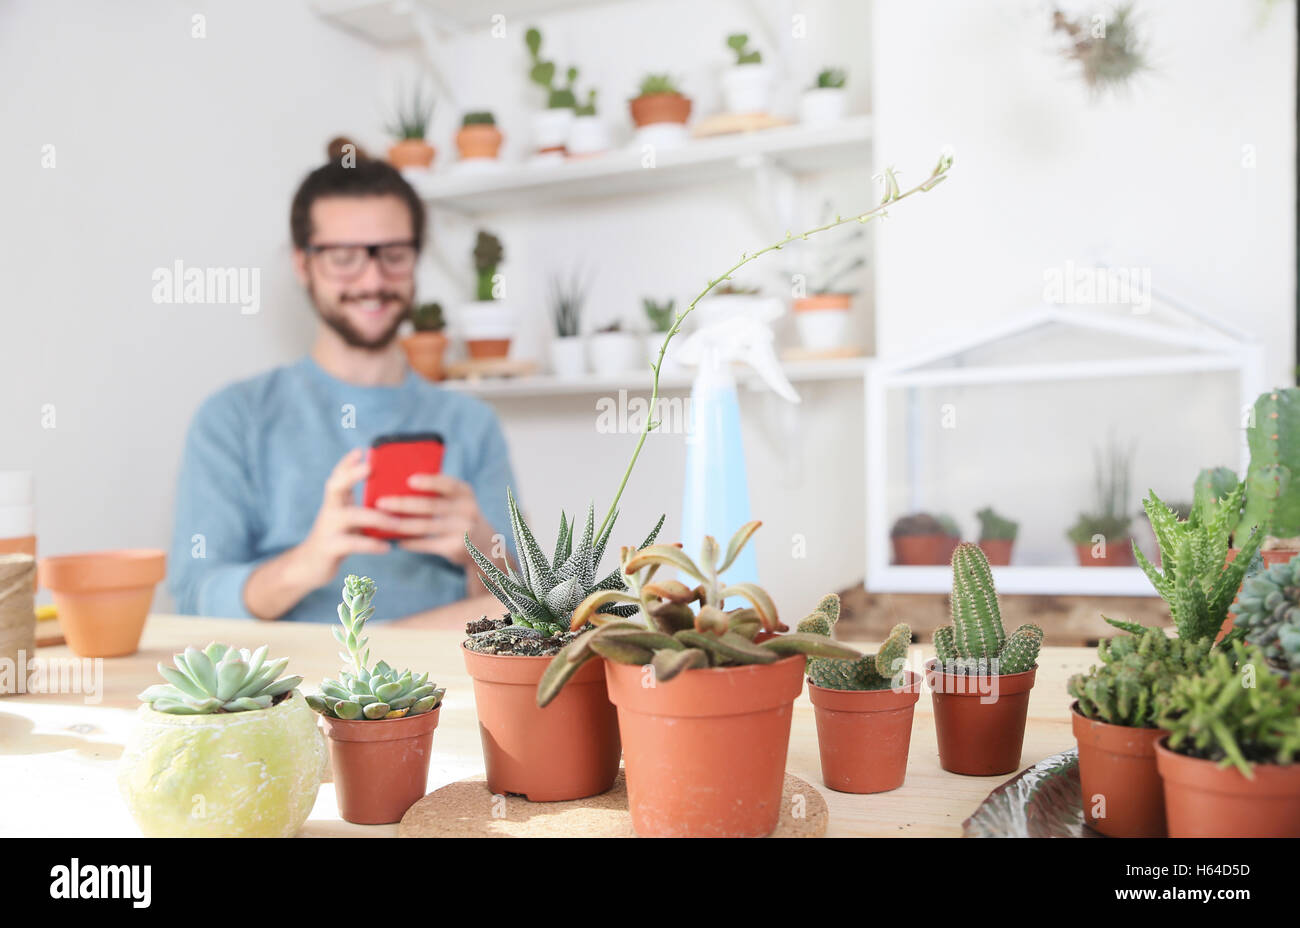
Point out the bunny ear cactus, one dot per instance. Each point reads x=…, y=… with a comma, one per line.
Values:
x=1268, y=612
x=1272, y=504
x=1136, y=672
x=976, y=642
x=219, y=679
x=667, y=634
x=370, y=693
x=870, y=672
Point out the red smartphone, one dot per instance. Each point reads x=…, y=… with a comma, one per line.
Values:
x=393, y=459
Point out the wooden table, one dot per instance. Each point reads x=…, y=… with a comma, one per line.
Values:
x=58, y=752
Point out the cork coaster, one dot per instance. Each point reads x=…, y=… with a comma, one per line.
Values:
x=464, y=809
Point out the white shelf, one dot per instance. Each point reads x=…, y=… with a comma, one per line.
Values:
x=794, y=149
x=541, y=386
x=392, y=22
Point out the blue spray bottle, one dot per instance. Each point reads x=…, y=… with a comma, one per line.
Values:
x=716, y=499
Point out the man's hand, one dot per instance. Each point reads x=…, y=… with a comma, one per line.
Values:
x=440, y=523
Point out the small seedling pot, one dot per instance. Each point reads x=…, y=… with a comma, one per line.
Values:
x=863, y=735
x=568, y=750
x=103, y=598
x=997, y=551
x=1123, y=795
x=424, y=352
x=569, y=357
x=381, y=766
x=652, y=108
x=1119, y=553
x=705, y=752
x=980, y=720
x=411, y=154
x=1204, y=800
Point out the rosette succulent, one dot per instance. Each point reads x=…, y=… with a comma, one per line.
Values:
x=1268, y=612
x=219, y=679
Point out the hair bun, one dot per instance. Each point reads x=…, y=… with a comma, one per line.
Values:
x=338, y=147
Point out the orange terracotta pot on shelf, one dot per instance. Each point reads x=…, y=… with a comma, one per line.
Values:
x=568, y=750
x=652, y=108
x=917, y=550
x=478, y=141
x=1123, y=795
x=424, y=352
x=863, y=736
x=103, y=598
x=411, y=153
x=381, y=766
x=980, y=721
x=1119, y=554
x=483, y=349
x=997, y=551
x=1204, y=800
x=823, y=301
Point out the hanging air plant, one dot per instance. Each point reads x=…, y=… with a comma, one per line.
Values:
x=1106, y=45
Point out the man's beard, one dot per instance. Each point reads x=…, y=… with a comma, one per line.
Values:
x=337, y=321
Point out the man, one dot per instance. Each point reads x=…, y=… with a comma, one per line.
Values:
x=267, y=517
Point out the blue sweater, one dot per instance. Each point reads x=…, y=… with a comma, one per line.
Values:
x=253, y=474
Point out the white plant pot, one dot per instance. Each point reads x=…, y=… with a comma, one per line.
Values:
x=822, y=106
x=613, y=353
x=663, y=135
x=587, y=136
x=569, y=357
x=747, y=88
x=822, y=329
x=551, y=128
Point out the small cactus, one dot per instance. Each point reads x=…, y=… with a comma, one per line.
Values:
x=1135, y=673
x=976, y=642
x=870, y=672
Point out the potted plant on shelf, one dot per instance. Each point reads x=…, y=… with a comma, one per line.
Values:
x=822, y=300
x=822, y=104
x=587, y=134
x=379, y=721
x=426, y=346
x=982, y=676
x=103, y=598
x=570, y=749
x=1229, y=763
x=660, y=111
x=487, y=324
x=951, y=534
x=919, y=538
x=1114, y=721
x=226, y=748
x=1101, y=536
x=746, y=85
x=568, y=349
x=550, y=126
x=478, y=138
x=612, y=351
x=661, y=316
x=997, y=536
x=704, y=697
x=412, y=150
x=863, y=709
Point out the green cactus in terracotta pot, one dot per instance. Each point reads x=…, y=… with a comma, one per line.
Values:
x=869, y=672
x=1135, y=673
x=976, y=642
x=1272, y=505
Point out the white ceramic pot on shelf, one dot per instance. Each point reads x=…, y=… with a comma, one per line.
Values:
x=551, y=129
x=588, y=135
x=747, y=88
x=487, y=327
x=822, y=320
x=569, y=357
x=663, y=135
x=822, y=106
x=613, y=353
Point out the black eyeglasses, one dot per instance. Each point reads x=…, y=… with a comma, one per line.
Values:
x=346, y=261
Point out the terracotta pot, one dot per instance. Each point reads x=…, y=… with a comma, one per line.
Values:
x=823, y=301
x=705, y=752
x=980, y=721
x=863, y=735
x=103, y=598
x=1118, y=777
x=997, y=551
x=916, y=550
x=381, y=767
x=478, y=141
x=411, y=153
x=424, y=352
x=660, y=107
x=1118, y=554
x=1204, y=800
x=569, y=750
x=482, y=349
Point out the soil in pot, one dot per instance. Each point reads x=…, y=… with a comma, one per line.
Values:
x=980, y=720
x=652, y=108
x=424, y=352
x=1123, y=795
x=997, y=551
x=705, y=752
x=863, y=735
x=1204, y=800
x=478, y=141
x=915, y=550
x=1118, y=554
x=411, y=153
x=381, y=766
x=103, y=598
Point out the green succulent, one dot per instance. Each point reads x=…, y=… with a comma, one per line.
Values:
x=1272, y=505
x=976, y=642
x=658, y=83
x=1213, y=484
x=1268, y=614
x=662, y=315
x=589, y=107
x=488, y=255
x=413, y=116
x=428, y=317
x=542, y=73
x=1135, y=673
x=479, y=118
x=369, y=693
x=738, y=42
x=1235, y=712
x=831, y=77
x=542, y=597
x=994, y=527
x=869, y=672
x=219, y=679
x=1109, y=516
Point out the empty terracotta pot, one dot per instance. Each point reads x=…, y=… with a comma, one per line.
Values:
x=651, y=108
x=863, y=735
x=424, y=352
x=1123, y=795
x=569, y=750
x=411, y=153
x=997, y=551
x=1204, y=800
x=1118, y=554
x=705, y=752
x=478, y=141
x=980, y=720
x=381, y=766
x=915, y=550
x=103, y=598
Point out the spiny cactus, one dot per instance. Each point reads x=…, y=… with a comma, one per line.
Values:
x=544, y=594
x=1273, y=478
x=428, y=317
x=976, y=642
x=370, y=693
x=219, y=679
x=1213, y=484
x=671, y=637
x=869, y=672
x=1135, y=673
x=488, y=255
x=1268, y=613
x=994, y=527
